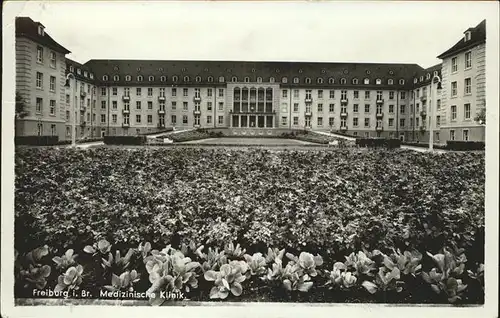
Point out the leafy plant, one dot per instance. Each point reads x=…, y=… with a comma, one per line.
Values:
x=103, y=247
x=361, y=263
x=31, y=272
x=274, y=255
x=213, y=259
x=307, y=262
x=444, y=279
x=340, y=277
x=117, y=263
x=227, y=280
x=256, y=264
x=123, y=282
x=144, y=249
x=66, y=260
x=170, y=270
x=408, y=262
x=385, y=280
x=234, y=251
x=70, y=280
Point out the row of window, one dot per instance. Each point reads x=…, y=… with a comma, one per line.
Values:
x=259, y=79
x=79, y=72
x=39, y=82
x=466, y=112
x=467, y=62
x=39, y=106
x=40, y=57
x=427, y=77
x=467, y=87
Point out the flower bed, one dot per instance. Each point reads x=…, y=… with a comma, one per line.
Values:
x=331, y=204
x=191, y=135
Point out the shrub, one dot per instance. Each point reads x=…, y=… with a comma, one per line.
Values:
x=464, y=145
x=125, y=140
x=36, y=140
x=378, y=142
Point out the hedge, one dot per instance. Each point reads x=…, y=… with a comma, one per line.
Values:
x=464, y=145
x=36, y=140
x=378, y=142
x=125, y=140
x=423, y=145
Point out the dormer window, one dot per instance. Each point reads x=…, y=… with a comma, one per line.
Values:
x=415, y=80
x=284, y=80
x=331, y=81
x=234, y=79
x=85, y=73
x=378, y=81
x=435, y=73
x=320, y=80
x=151, y=78
x=428, y=76
x=355, y=81
x=247, y=79
x=421, y=78
x=210, y=79
x=259, y=79
x=79, y=72
x=163, y=78
x=41, y=30
x=116, y=78
x=271, y=80
x=71, y=69
x=342, y=81
x=467, y=36
x=198, y=79
x=296, y=80
x=139, y=78
x=92, y=75
x=366, y=80
x=308, y=80
x=105, y=78
x=401, y=82
x=186, y=78
x=390, y=81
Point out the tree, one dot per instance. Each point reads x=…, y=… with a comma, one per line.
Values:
x=20, y=107
x=481, y=116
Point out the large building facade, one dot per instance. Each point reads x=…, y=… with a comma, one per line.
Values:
x=128, y=97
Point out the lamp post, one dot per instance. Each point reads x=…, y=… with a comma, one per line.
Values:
x=73, y=116
x=435, y=79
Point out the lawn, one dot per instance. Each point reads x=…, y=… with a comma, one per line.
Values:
x=355, y=225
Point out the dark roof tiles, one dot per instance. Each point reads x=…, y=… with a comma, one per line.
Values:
x=28, y=28
x=478, y=36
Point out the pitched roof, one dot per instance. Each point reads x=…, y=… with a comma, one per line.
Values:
x=83, y=70
x=29, y=29
x=252, y=70
x=424, y=75
x=478, y=36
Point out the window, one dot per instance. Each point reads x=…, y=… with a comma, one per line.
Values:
x=209, y=92
x=438, y=121
x=331, y=121
x=416, y=121
x=209, y=106
x=342, y=81
x=320, y=121
x=284, y=93
x=453, y=112
x=67, y=115
x=438, y=104
x=320, y=93
x=367, y=122
x=150, y=91
x=355, y=81
x=402, y=122
x=391, y=95
x=138, y=119
x=390, y=81
x=355, y=108
x=295, y=93
x=379, y=95
x=173, y=118
x=139, y=78
x=138, y=105
x=163, y=78
x=320, y=107
x=367, y=108
x=378, y=81
x=52, y=59
x=452, y=134
x=114, y=118
x=308, y=94
x=466, y=111
x=209, y=119
x=391, y=122
x=295, y=107
x=39, y=104
x=174, y=92
x=128, y=78
x=138, y=91
x=39, y=80
x=295, y=121
x=52, y=84
x=465, y=135
x=367, y=94
x=174, y=105
x=468, y=60
x=198, y=79
x=247, y=79
x=115, y=104
x=185, y=92
x=453, y=89
x=402, y=109
x=331, y=108
x=331, y=81
x=221, y=120
x=355, y=121
x=454, y=65
x=221, y=92
x=468, y=89
x=52, y=108
x=150, y=105
x=103, y=118
x=283, y=80
x=401, y=82
x=284, y=120
x=343, y=95
x=39, y=54
x=295, y=80
x=184, y=106
x=221, y=106
x=418, y=93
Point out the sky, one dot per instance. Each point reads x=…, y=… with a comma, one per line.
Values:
x=385, y=32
